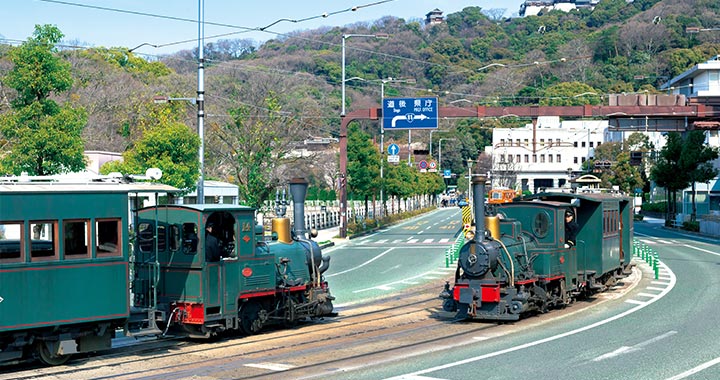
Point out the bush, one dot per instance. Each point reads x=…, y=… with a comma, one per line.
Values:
x=655, y=207
x=691, y=226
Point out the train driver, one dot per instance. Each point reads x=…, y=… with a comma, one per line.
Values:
x=212, y=246
x=571, y=229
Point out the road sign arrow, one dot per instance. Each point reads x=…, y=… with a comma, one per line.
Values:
x=2, y=299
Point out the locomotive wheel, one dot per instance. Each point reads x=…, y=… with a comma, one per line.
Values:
x=250, y=322
x=48, y=357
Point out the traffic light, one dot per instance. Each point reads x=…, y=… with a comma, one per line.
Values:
x=636, y=158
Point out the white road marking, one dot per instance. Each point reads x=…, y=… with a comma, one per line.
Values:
x=428, y=241
x=625, y=349
x=548, y=339
x=363, y=264
x=701, y=250
x=654, y=288
x=445, y=240
x=695, y=370
x=636, y=302
x=412, y=241
x=659, y=282
x=271, y=366
x=647, y=295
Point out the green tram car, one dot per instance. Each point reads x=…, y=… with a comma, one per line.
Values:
x=518, y=263
x=81, y=263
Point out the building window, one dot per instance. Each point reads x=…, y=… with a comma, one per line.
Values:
x=534, y=157
x=517, y=142
x=502, y=158
x=517, y=158
x=527, y=142
x=592, y=144
x=527, y=158
x=558, y=160
x=575, y=144
x=583, y=144
x=557, y=141
x=502, y=142
x=542, y=142
x=550, y=158
x=542, y=158
x=510, y=158
x=583, y=160
x=575, y=160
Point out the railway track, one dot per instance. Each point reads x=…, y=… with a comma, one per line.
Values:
x=361, y=335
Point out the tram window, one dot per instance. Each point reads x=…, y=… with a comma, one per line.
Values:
x=10, y=248
x=43, y=241
x=190, y=238
x=175, y=238
x=75, y=239
x=107, y=237
x=146, y=232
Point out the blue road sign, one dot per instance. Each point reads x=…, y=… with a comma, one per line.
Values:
x=410, y=113
x=446, y=173
x=393, y=149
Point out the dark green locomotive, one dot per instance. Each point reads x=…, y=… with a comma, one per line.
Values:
x=80, y=262
x=519, y=261
x=252, y=284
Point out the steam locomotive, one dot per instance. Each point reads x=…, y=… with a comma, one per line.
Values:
x=518, y=262
x=82, y=261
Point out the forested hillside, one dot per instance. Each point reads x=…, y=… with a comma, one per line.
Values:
x=263, y=100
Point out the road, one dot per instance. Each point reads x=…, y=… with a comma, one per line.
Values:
x=394, y=258
x=661, y=329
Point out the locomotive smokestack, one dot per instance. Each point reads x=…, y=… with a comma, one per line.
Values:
x=298, y=190
x=478, y=189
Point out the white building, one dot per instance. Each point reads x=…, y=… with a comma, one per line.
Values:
x=548, y=156
x=534, y=7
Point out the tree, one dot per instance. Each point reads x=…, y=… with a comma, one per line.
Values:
x=695, y=162
x=668, y=173
x=44, y=137
x=170, y=146
x=254, y=145
x=363, y=164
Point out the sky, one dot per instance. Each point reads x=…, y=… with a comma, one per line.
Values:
x=135, y=26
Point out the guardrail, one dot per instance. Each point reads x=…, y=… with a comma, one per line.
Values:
x=647, y=254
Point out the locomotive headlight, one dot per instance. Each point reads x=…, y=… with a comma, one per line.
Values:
x=469, y=235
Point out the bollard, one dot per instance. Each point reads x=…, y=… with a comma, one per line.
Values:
x=656, y=267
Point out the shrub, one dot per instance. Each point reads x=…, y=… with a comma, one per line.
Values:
x=655, y=206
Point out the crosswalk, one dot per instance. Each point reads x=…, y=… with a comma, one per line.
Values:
x=404, y=241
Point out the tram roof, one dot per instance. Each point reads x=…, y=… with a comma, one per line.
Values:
x=85, y=187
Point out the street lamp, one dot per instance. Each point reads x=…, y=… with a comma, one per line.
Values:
x=431, y=145
x=470, y=195
x=343, y=139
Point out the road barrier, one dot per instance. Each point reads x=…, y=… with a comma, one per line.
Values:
x=452, y=253
x=647, y=254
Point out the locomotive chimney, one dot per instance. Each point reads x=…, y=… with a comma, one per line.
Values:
x=478, y=190
x=298, y=190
